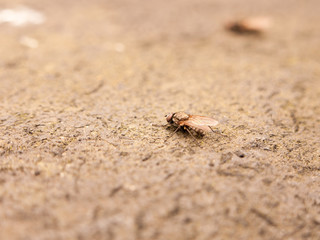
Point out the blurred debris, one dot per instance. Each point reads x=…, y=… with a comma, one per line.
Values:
x=239, y=154
x=29, y=42
x=225, y=157
x=119, y=47
x=21, y=16
x=263, y=216
x=250, y=25
x=147, y=157
x=115, y=47
x=96, y=89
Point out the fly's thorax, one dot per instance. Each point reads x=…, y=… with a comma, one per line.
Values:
x=179, y=116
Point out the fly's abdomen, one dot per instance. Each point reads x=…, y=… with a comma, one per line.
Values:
x=197, y=130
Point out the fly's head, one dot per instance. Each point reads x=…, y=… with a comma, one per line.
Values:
x=169, y=118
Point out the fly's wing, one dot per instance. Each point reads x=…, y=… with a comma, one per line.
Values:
x=199, y=122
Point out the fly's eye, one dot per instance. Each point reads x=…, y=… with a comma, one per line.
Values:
x=169, y=117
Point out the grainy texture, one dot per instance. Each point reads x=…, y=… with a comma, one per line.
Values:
x=81, y=144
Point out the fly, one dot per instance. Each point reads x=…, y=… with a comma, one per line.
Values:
x=199, y=124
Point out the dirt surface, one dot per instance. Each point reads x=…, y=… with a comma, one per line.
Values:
x=82, y=142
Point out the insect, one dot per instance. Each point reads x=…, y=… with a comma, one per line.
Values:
x=188, y=122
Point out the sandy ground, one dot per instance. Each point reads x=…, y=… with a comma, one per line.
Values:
x=82, y=142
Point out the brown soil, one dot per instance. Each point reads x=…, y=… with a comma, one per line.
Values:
x=82, y=142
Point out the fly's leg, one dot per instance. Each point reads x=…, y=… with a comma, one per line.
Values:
x=160, y=125
x=192, y=136
x=219, y=132
x=173, y=133
x=211, y=129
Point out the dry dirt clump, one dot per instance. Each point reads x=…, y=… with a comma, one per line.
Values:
x=83, y=97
